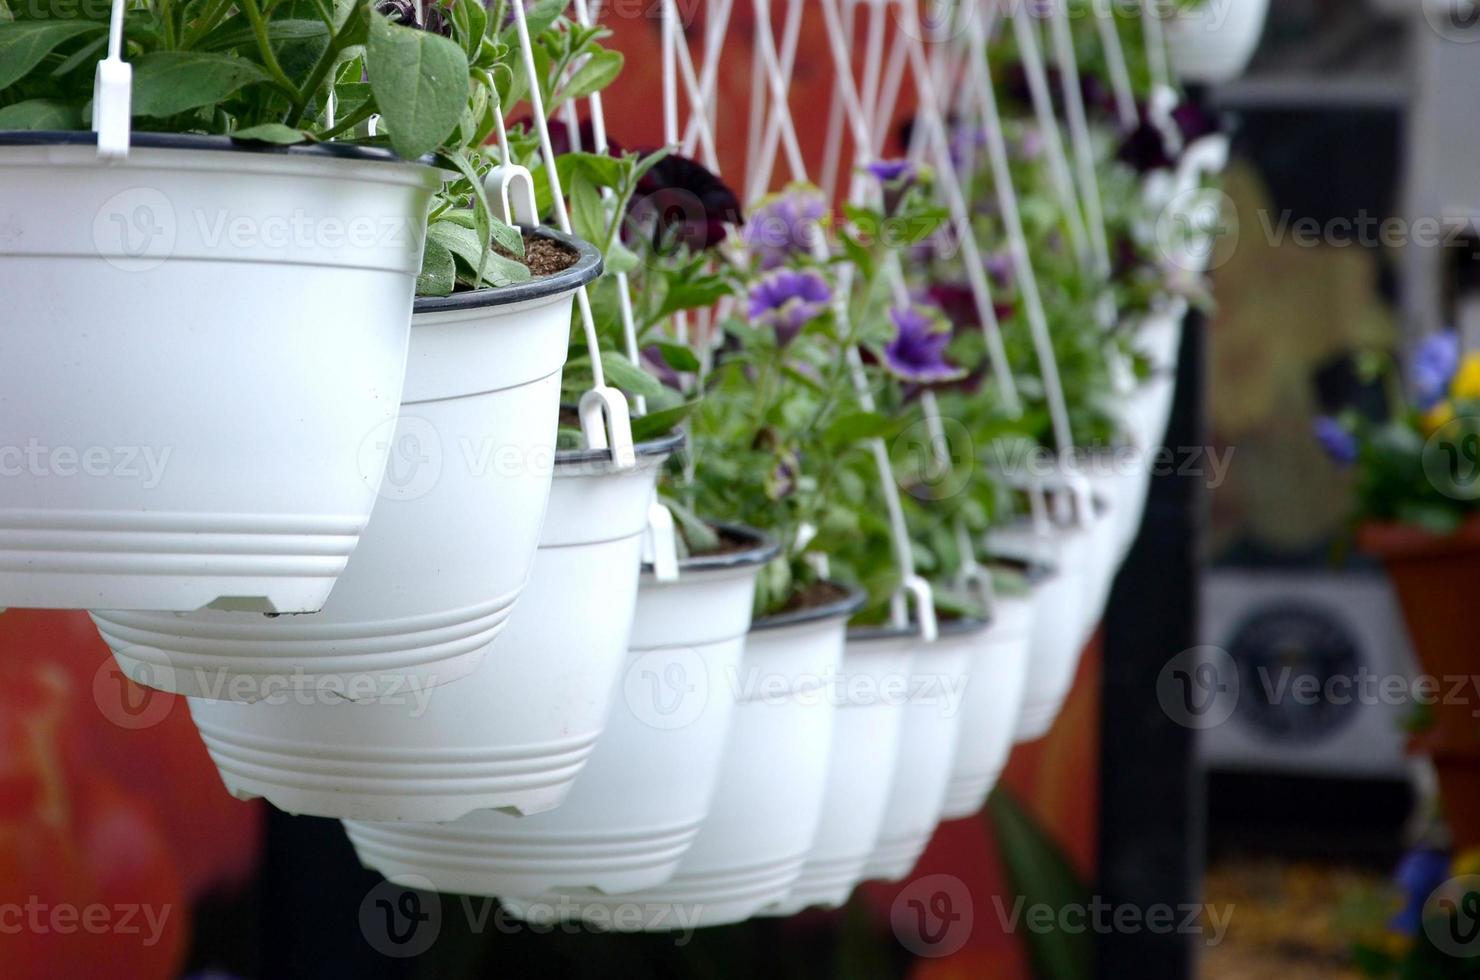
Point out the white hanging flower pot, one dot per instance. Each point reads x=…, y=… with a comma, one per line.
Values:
x=639, y=802
x=200, y=342
x=768, y=801
x=1215, y=43
x=993, y=703
x=449, y=546
x=930, y=729
x=870, y=692
x=515, y=732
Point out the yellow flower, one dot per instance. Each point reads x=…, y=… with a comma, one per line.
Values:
x=1466, y=863
x=1437, y=417
x=1467, y=379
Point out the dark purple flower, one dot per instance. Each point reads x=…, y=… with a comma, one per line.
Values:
x=785, y=225
x=1433, y=367
x=433, y=19
x=958, y=303
x=917, y=352
x=892, y=171
x=1146, y=147
x=782, y=481
x=685, y=203
x=1338, y=443
x=1419, y=875
x=787, y=300
x=1195, y=122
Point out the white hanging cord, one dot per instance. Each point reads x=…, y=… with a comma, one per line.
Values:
x=765, y=44
x=670, y=79
x=113, y=80
x=756, y=127
x=766, y=162
x=1120, y=75
x=1079, y=134
x=698, y=101
x=979, y=77
x=1156, y=44
x=873, y=59
x=1055, y=157
x=911, y=583
x=890, y=88
x=714, y=39
x=832, y=159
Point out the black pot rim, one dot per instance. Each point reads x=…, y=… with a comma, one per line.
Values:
x=762, y=549
x=947, y=628
x=586, y=269
x=839, y=608
x=645, y=450
x=214, y=144
x=1033, y=572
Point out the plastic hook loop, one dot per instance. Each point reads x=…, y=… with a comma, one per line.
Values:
x=660, y=543
x=113, y=84
x=1208, y=155
x=916, y=588
x=607, y=425
x=510, y=188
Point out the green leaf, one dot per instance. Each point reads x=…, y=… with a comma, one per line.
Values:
x=504, y=271
x=23, y=45
x=655, y=425
x=420, y=81
x=679, y=357
x=597, y=73
x=541, y=14
x=1041, y=874
x=854, y=427
x=41, y=114
x=506, y=236
x=620, y=259
x=460, y=241
x=471, y=20
x=169, y=82
x=693, y=294
x=274, y=133
x=627, y=376
x=438, y=270
x=587, y=214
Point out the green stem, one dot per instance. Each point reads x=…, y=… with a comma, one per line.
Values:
x=264, y=45
x=350, y=122
x=205, y=24
x=321, y=70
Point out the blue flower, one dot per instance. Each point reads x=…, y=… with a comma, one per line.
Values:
x=1433, y=368
x=892, y=171
x=917, y=352
x=786, y=301
x=784, y=226
x=1338, y=443
x=1419, y=875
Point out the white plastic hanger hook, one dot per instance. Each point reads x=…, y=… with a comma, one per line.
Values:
x=916, y=588
x=660, y=543
x=510, y=188
x=113, y=84
x=607, y=425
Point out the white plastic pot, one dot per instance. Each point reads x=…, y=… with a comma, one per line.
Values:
x=450, y=544
x=870, y=694
x=639, y=802
x=514, y=733
x=930, y=729
x=199, y=344
x=1215, y=43
x=764, y=815
x=993, y=703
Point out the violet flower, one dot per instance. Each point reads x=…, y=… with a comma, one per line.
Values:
x=917, y=352
x=1419, y=875
x=892, y=171
x=1433, y=368
x=1000, y=267
x=787, y=300
x=1338, y=443
x=784, y=226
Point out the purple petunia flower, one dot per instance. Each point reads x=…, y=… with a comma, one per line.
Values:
x=1338, y=443
x=917, y=352
x=1433, y=368
x=434, y=19
x=1419, y=875
x=892, y=171
x=787, y=301
x=785, y=225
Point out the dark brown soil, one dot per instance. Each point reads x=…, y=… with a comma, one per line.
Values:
x=729, y=544
x=814, y=596
x=544, y=256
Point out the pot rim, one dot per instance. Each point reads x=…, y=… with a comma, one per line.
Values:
x=1392, y=540
x=586, y=269
x=1033, y=572
x=949, y=628
x=839, y=608
x=213, y=144
x=645, y=450
x=762, y=549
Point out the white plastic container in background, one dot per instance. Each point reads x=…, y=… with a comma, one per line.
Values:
x=930, y=730
x=638, y=804
x=513, y=734
x=200, y=342
x=870, y=694
x=1214, y=43
x=994, y=701
x=448, y=548
x=764, y=815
